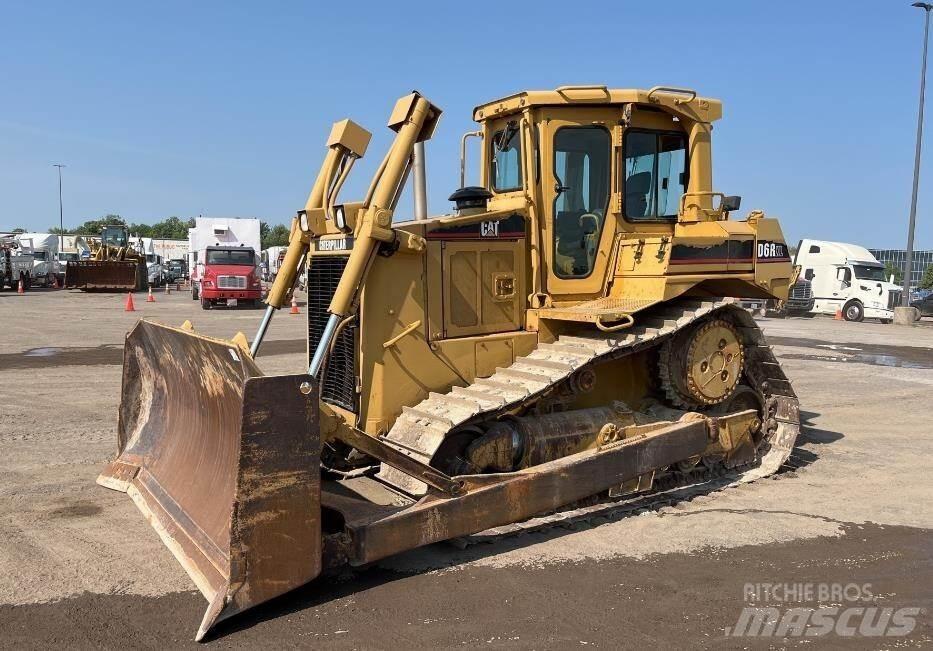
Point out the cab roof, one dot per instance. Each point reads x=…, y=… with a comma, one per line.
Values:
x=683, y=102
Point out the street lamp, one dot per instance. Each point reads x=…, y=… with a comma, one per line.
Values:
x=909, y=258
x=61, y=213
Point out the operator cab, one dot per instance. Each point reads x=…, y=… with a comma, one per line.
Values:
x=114, y=236
x=591, y=156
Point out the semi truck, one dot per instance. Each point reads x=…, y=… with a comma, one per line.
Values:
x=224, y=261
x=43, y=247
x=847, y=278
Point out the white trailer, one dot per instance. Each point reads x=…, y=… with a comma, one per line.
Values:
x=273, y=257
x=847, y=278
x=218, y=231
x=170, y=249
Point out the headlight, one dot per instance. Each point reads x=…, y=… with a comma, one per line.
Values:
x=207, y=283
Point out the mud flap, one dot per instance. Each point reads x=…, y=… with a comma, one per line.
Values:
x=224, y=464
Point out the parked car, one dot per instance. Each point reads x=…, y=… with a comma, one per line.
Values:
x=919, y=294
x=925, y=305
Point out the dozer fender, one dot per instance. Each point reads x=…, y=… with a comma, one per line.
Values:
x=224, y=464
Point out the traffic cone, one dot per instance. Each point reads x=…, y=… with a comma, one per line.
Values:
x=129, y=303
x=838, y=316
x=19, y=288
x=294, y=309
x=150, y=298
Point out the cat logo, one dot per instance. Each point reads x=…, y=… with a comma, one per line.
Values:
x=341, y=244
x=489, y=229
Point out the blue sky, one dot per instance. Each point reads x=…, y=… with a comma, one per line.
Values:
x=208, y=108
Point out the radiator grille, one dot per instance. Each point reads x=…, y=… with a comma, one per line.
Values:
x=339, y=384
x=231, y=282
x=801, y=291
x=894, y=298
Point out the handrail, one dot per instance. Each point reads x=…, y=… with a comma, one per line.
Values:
x=674, y=90
x=463, y=139
x=564, y=90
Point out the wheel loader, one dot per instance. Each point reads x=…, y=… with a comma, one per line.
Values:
x=114, y=264
x=568, y=333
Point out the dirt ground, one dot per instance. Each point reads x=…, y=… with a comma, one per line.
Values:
x=80, y=567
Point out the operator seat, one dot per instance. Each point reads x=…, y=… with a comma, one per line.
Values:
x=637, y=187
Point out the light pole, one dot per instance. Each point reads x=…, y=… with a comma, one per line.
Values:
x=61, y=212
x=909, y=257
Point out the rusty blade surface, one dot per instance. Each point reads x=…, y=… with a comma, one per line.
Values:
x=101, y=274
x=223, y=462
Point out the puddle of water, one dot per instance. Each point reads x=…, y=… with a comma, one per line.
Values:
x=862, y=358
x=858, y=353
x=42, y=352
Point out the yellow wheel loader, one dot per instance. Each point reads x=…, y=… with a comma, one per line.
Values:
x=569, y=333
x=114, y=264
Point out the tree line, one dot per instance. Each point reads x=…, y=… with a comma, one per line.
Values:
x=926, y=280
x=172, y=228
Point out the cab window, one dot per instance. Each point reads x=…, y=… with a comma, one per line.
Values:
x=655, y=174
x=507, y=159
x=581, y=175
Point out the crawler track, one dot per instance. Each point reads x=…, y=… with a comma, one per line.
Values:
x=421, y=429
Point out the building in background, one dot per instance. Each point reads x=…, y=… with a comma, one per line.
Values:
x=921, y=260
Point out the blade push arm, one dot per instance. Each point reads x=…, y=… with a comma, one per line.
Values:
x=347, y=142
x=413, y=120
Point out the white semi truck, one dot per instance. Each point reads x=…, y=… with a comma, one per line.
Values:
x=847, y=278
x=43, y=247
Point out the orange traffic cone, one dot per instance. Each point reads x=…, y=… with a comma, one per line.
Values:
x=129, y=303
x=294, y=309
x=19, y=288
x=150, y=298
x=838, y=316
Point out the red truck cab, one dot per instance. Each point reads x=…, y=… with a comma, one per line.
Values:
x=229, y=273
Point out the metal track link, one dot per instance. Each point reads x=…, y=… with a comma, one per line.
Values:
x=531, y=377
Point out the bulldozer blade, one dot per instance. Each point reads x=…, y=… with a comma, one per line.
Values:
x=223, y=462
x=103, y=275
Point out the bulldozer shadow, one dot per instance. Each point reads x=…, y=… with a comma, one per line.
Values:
x=807, y=447
x=345, y=582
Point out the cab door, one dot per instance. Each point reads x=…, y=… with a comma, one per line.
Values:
x=577, y=228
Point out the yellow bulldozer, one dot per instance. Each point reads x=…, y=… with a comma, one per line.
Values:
x=114, y=265
x=568, y=334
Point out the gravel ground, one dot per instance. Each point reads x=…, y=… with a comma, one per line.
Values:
x=80, y=567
